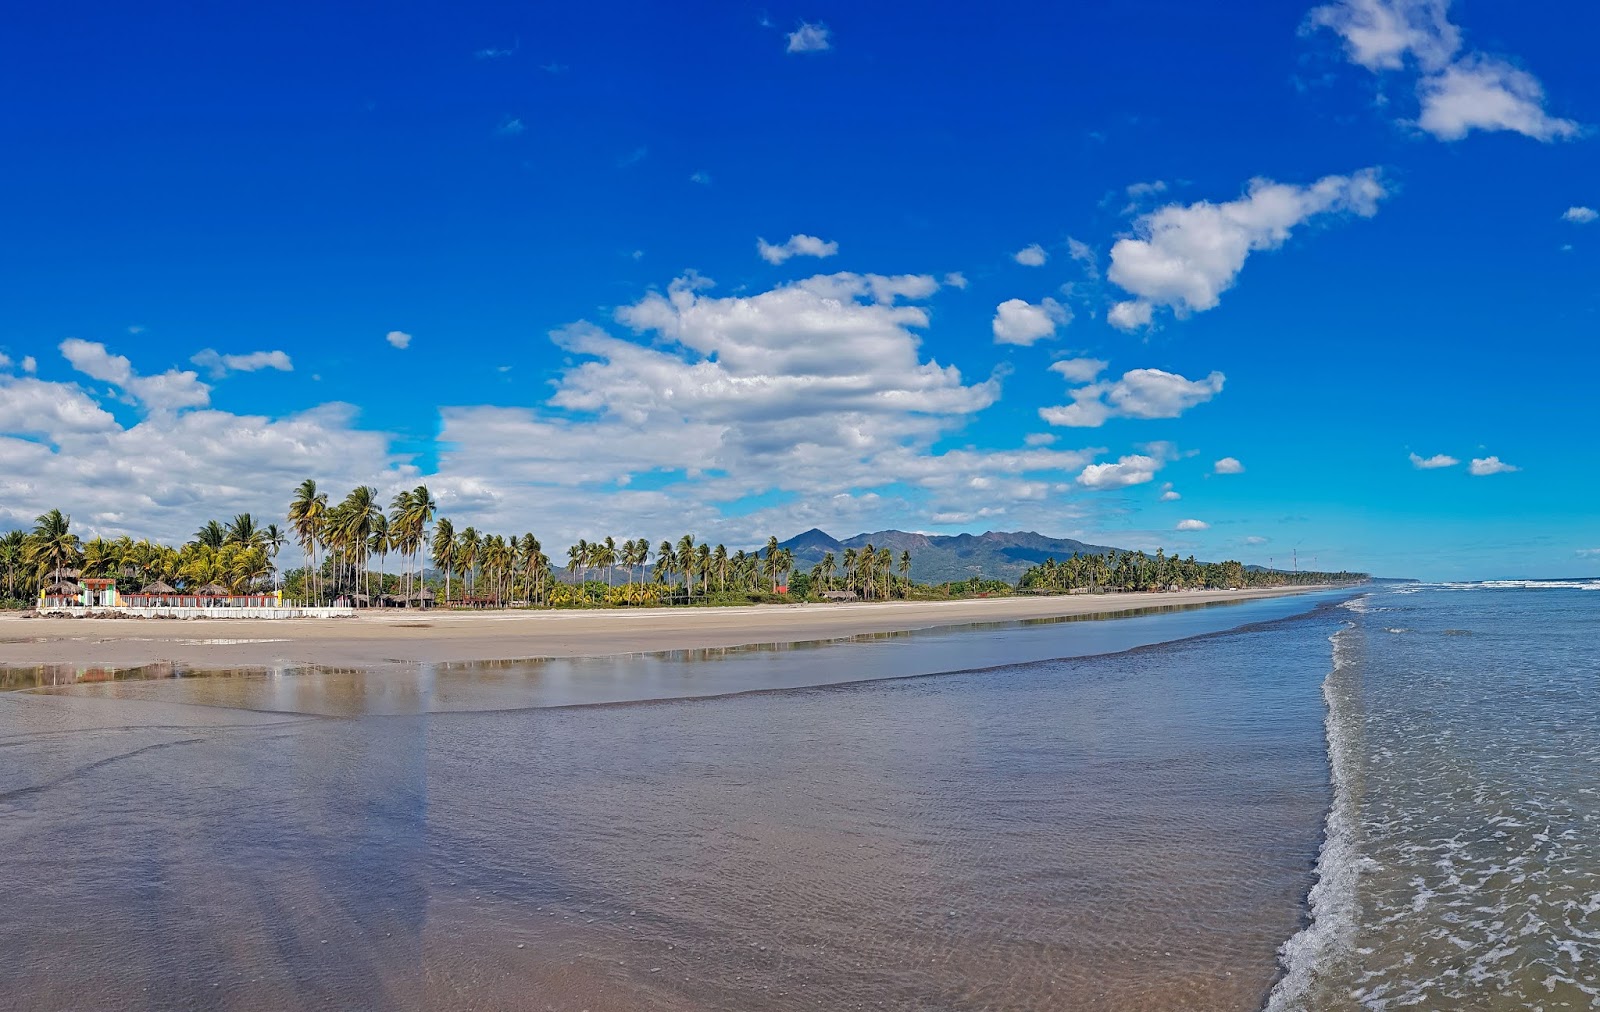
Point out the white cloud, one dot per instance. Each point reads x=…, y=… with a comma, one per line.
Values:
x=702, y=177
x=1018, y=322
x=1031, y=256
x=5, y=360
x=168, y=391
x=1039, y=439
x=398, y=339
x=1134, y=469
x=1256, y=539
x=219, y=365
x=1482, y=93
x=1169, y=494
x=1482, y=466
x=1192, y=525
x=1140, y=393
x=809, y=38
x=1228, y=465
x=797, y=246
x=511, y=126
x=1184, y=257
x=1459, y=91
x=1589, y=551
x=30, y=364
x=1079, y=370
x=1436, y=461
x=1580, y=215
x=1150, y=189
x=955, y=279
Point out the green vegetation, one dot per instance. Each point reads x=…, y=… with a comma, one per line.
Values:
x=1136, y=571
x=342, y=541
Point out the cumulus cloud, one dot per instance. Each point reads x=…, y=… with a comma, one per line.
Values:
x=1169, y=494
x=1079, y=370
x=1140, y=393
x=1483, y=93
x=797, y=246
x=168, y=391
x=1458, y=91
x=1228, y=465
x=1134, y=469
x=1183, y=257
x=1438, y=460
x=1192, y=525
x=29, y=364
x=219, y=365
x=1032, y=255
x=1018, y=322
x=1580, y=215
x=955, y=279
x=398, y=339
x=809, y=38
x=1482, y=466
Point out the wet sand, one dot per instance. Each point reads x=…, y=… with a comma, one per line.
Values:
x=408, y=637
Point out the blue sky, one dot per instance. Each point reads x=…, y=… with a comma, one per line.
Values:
x=1311, y=240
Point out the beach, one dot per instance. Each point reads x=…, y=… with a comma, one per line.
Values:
x=401, y=636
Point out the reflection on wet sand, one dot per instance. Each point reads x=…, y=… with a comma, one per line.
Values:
x=1129, y=831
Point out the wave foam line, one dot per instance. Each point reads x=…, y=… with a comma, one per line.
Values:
x=1329, y=939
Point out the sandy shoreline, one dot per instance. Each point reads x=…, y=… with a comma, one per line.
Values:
x=399, y=637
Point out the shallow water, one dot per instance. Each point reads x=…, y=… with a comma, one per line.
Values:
x=1464, y=869
x=1126, y=831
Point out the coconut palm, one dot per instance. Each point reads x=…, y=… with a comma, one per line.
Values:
x=11, y=558
x=905, y=572
x=211, y=534
x=444, y=551
x=308, y=511
x=52, y=546
x=467, y=556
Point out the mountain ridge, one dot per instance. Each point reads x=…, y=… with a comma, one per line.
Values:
x=937, y=558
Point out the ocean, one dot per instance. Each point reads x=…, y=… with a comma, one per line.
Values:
x=1381, y=798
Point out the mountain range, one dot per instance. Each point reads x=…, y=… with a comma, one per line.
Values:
x=936, y=558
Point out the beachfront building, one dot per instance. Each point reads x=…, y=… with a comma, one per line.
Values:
x=90, y=597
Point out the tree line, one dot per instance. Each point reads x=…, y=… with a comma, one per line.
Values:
x=1136, y=571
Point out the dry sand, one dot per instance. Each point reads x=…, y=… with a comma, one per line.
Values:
x=391, y=637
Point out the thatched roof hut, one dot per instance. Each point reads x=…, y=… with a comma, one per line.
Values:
x=158, y=588
x=212, y=590
x=66, y=575
x=423, y=596
x=61, y=589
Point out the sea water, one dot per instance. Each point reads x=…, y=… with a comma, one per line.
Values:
x=1461, y=868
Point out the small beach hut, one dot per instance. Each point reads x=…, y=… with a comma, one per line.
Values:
x=158, y=588
x=421, y=599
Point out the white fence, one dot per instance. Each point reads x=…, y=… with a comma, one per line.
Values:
x=78, y=611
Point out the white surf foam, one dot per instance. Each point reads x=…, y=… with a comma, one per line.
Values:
x=1334, y=900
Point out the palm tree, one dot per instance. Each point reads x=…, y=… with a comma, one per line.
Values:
x=354, y=521
x=771, y=567
x=665, y=561
x=212, y=535
x=684, y=563
x=719, y=561
x=467, y=556
x=378, y=543
x=52, y=546
x=905, y=572
x=11, y=558
x=444, y=551
x=244, y=532
x=308, y=511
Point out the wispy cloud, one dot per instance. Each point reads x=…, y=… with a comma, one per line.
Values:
x=809, y=38
x=510, y=127
x=1484, y=466
x=798, y=245
x=1458, y=91
x=1438, y=460
x=219, y=365
x=633, y=157
x=1032, y=255
x=702, y=177
x=495, y=52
